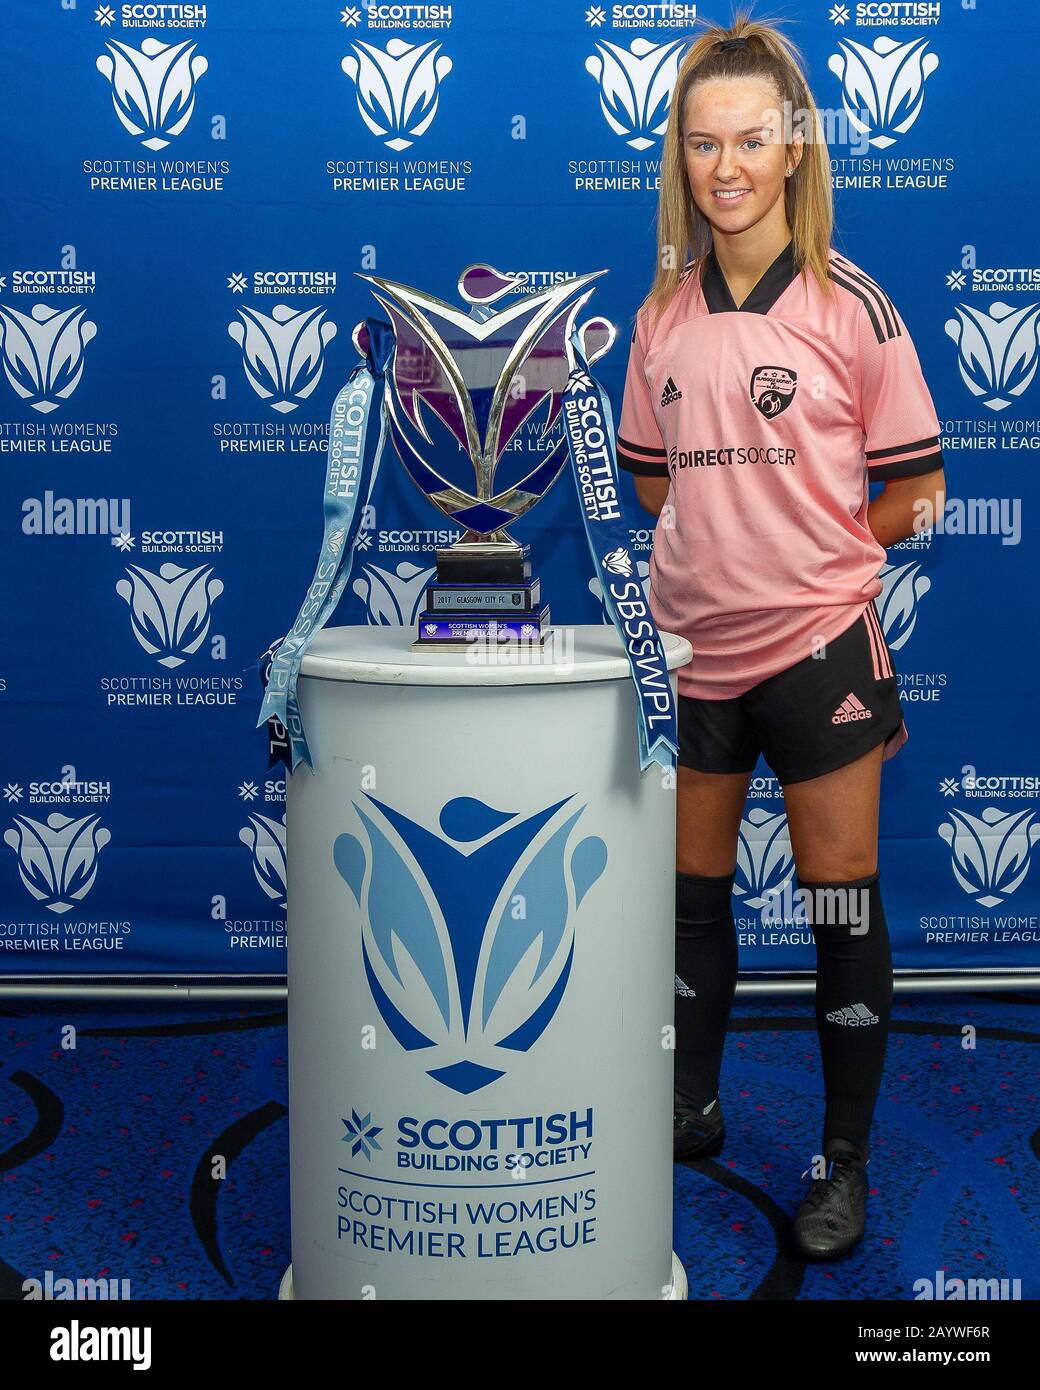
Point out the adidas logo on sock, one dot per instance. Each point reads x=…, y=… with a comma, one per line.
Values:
x=670, y=393
x=684, y=989
x=850, y=710
x=853, y=1016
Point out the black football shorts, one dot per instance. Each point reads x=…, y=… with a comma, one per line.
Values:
x=816, y=716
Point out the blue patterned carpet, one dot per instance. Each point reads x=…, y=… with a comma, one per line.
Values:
x=107, y=1148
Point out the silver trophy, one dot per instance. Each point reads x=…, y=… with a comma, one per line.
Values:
x=473, y=407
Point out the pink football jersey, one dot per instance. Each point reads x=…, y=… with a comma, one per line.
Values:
x=768, y=420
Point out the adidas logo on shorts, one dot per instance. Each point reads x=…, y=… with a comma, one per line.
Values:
x=684, y=990
x=850, y=710
x=853, y=1016
x=670, y=393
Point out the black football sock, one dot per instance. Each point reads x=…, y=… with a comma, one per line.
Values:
x=853, y=1005
x=705, y=981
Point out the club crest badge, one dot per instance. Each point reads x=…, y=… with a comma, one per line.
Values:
x=772, y=389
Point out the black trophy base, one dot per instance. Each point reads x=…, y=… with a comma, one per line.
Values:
x=483, y=562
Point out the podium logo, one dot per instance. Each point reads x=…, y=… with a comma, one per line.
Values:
x=265, y=840
x=765, y=860
x=991, y=852
x=57, y=858
x=283, y=352
x=997, y=352
x=43, y=352
x=635, y=87
x=153, y=87
x=398, y=88
x=468, y=934
x=883, y=86
x=361, y=1134
x=170, y=611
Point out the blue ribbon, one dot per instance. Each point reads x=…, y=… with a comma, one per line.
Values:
x=589, y=426
x=349, y=479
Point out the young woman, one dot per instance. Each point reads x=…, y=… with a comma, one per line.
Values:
x=770, y=380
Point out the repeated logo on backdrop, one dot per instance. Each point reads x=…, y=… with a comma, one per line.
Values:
x=282, y=322
x=150, y=65
x=283, y=344
x=990, y=824
x=994, y=325
x=887, y=90
x=175, y=650
x=48, y=320
x=57, y=832
x=393, y=92
x=633, y=86
x=902, y=605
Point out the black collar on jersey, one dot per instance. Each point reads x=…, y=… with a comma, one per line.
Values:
x=770, y=286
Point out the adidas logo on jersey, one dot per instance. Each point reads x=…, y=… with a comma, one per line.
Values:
x=850, y=710
x=684, y=990
x=670, y=393
x=853, y=1016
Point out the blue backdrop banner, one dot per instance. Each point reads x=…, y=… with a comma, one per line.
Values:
x=190, y=189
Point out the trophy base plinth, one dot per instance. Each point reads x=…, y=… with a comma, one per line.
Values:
x=483, y=598
x=483, y=562
x=461, y=632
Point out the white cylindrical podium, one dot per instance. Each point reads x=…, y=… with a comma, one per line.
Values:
x=481, y=907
